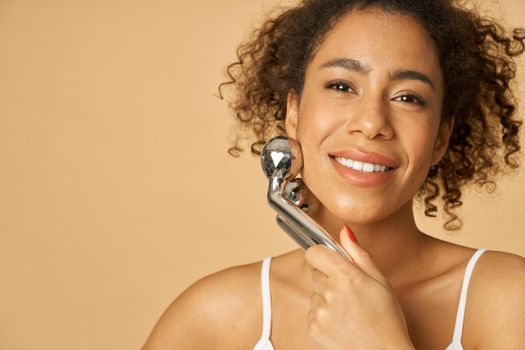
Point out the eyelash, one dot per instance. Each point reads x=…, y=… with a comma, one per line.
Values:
x=343, y=86
x=415, y=99
x=338, y=85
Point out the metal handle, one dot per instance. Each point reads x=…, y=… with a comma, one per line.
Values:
x=281, y=160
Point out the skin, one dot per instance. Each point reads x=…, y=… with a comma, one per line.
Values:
x=401, y=289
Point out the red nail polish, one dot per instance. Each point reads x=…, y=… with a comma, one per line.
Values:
x=350, y=233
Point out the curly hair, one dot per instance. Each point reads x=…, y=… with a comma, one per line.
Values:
x=477, y=58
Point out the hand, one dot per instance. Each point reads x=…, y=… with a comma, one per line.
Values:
x=352, y=304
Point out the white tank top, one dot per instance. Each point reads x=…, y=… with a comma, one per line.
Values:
x=264, y=342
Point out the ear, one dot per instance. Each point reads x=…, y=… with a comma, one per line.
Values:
x=443, y=137
x=292, y=110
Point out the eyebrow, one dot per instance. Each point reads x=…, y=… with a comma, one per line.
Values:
x=411, y=75
x=347, y=63
x=364, y=69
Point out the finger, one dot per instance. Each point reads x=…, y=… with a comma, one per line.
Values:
x=316, y=304
x=360, y=256
x=320, y=282
x=328, y=261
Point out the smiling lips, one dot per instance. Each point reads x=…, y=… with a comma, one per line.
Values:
x=361, y=166
x=363, y=169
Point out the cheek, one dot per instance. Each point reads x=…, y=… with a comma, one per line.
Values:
x=313, y=128
x=317, y=120
x=419, y=146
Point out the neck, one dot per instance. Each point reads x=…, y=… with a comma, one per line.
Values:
x=395, y=244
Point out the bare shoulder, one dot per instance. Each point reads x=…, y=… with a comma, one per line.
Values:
x=221, y=306
x=500, y=273
x=498, y=298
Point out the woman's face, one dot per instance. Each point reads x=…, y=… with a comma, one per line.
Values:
x=368, y=118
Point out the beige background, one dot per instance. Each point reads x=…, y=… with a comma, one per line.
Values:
x=116, y=191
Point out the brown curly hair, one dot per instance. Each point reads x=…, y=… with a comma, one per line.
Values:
x=477, y=60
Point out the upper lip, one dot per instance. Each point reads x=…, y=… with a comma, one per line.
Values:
x=366, y=157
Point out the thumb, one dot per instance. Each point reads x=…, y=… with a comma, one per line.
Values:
x=359, y=255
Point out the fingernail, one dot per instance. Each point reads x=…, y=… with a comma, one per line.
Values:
x=350, y=233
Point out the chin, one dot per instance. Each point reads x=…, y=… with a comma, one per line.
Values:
x=363, y=208
x=361, y=216
x=351, y=211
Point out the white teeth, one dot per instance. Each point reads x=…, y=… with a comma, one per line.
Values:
x=360, y=166
x=368, y=168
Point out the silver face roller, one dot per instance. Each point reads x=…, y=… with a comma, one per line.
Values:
x=281, y=160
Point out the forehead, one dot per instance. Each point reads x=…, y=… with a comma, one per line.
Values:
x=383, y=40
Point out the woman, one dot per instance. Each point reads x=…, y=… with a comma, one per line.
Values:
x=391, y=101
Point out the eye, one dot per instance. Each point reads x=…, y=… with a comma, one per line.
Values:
x=338, y=85
x=411, y=99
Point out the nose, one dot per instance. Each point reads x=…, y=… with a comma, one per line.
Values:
x=371, y=120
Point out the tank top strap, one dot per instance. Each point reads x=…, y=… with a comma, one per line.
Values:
x=266, y=298
x=458, y=327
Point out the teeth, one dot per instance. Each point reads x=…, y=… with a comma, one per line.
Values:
x=368, y=168
x=360, y=166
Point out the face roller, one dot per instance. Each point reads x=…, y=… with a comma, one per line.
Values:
x=281, y=160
